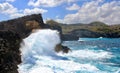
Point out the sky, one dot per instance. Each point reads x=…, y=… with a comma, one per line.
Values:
x=63, y=11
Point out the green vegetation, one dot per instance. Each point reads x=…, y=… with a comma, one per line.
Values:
x=98, y=27
x=52, y=22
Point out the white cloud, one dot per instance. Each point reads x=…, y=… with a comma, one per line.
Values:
x=28, y=12
x=57, y=16
x=34, y=11
x=91, y=11
x=10, y=0
x=16, y=15
x=6, y=8
x=48, y=3
x=73, y=7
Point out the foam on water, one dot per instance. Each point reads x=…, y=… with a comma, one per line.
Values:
x=47, y=65
x=41, y=42
x=38, y=55
x=89, y=54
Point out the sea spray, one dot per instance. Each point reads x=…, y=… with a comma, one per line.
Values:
x=41, y=42
x=39, y=56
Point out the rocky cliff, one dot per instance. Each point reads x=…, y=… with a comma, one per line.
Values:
x=9, y=52
x=11, y=34
x=23, y=25
x=91, y=30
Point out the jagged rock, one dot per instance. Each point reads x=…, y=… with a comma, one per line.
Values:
x=9, y=52
x=10, y=38
x=23, y=25
x=32, y=25
x=62, y=48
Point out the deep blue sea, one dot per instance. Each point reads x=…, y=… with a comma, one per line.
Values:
x=101, y=53
x=88, y=55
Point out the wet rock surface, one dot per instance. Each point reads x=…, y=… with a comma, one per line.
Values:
x=61, y=48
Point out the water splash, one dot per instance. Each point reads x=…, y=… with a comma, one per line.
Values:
x=38, y=55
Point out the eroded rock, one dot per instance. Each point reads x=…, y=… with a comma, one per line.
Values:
x=61, y=48
x=9, y=52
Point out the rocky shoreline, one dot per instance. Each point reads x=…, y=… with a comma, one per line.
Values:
x=13, y=31
x=11, y=34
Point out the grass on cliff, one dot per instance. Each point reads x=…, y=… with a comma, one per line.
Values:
x=93, y=26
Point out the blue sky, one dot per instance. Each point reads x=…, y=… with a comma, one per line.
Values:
x=65, y=11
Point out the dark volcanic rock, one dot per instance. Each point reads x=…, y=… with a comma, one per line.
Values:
x=9, y=52
x=62, y=48
x=25, y=25
x=20, y=25
x=11, y=34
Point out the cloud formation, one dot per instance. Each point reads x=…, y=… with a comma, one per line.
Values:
x=73, y=7
x=28, y=11
x=8, y=9
x=108, y=13
x=34, y=11
x=10, y=0
x=48, y=3
x=77, y=11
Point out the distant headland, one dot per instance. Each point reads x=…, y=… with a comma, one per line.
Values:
x=92, y=30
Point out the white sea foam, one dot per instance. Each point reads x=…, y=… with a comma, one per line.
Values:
x=47, y=65
x=38, y=55
x=89, y=54
x=118, y=71
x=41, y=42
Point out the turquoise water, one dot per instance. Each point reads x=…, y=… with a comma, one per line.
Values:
x=102, y=53
x=88, y=55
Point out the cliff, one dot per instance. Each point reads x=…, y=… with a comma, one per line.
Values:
x=92, y=30
x=11, y=34
x=9, y=52
x=23, y=25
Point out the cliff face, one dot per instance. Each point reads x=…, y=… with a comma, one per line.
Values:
x=84, y=33
x=11, y=34
x=23, y=25
x=9, y=52
x=91, y=30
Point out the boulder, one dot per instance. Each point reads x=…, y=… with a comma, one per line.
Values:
x=61, y=48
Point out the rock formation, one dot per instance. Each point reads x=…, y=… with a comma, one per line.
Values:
x=9, y=52
x=11, y=33
x=61, y=48
x=23, y=25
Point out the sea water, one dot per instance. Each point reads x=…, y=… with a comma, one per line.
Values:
x=88, y=55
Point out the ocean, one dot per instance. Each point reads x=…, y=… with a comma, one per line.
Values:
x=88, y=55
